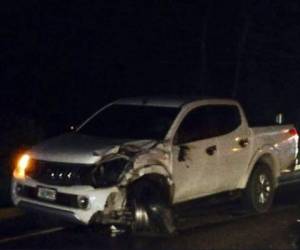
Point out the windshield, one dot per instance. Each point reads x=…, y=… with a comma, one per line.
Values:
x=131, y=122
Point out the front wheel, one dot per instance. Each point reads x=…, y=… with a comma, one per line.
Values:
x=259, y=193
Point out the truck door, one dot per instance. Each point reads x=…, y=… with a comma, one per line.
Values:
x=195, y=157
x=234, y=146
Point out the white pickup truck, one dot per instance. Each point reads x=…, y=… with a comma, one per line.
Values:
x=132, y=161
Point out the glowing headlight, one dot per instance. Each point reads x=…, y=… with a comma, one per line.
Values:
x=22, y=164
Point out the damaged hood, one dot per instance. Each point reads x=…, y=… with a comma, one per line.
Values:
x=83, y=149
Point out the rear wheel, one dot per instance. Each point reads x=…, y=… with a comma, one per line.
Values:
x=259, y=193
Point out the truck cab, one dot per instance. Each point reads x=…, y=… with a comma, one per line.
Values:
x=216, y=139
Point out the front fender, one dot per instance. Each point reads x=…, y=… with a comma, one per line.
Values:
x=139, y=172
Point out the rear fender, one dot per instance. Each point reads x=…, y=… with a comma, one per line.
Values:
x=267, y=155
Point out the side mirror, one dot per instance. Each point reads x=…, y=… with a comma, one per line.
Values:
x=279, y=118
x=183, y=152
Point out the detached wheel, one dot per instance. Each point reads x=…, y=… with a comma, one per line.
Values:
x=259, y=193
x=141, y=221
x=151, y=214
x=153, y=219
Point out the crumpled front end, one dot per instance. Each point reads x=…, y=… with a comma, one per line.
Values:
x=94, y=193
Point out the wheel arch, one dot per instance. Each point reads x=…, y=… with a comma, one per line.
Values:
x=262, y=158
x=155, y=181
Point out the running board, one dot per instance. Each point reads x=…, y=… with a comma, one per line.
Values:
x=205, y=204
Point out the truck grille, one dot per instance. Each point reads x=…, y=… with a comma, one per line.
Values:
x=61, y=174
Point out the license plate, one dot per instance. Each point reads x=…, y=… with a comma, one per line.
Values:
x=47, y=193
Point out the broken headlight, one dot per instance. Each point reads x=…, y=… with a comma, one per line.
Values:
x=110, y=173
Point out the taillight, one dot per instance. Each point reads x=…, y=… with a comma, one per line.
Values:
x=293, y=131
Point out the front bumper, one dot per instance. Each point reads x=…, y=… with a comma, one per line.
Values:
x=100, y=209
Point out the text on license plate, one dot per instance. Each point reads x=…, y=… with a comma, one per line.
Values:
x=46, y=193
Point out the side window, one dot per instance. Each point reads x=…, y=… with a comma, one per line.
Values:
x=207, y=122
x=228, y=118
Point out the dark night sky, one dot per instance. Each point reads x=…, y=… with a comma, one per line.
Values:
x=61, y=60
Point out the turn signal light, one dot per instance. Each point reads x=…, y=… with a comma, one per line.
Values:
x=22, y=164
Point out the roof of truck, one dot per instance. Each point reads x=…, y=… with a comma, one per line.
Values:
x=167, y=101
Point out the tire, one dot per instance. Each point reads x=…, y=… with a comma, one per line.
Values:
x=259, y=193
x=151, y=214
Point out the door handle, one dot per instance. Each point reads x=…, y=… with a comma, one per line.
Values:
x=244, y=142
x=211, y=150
